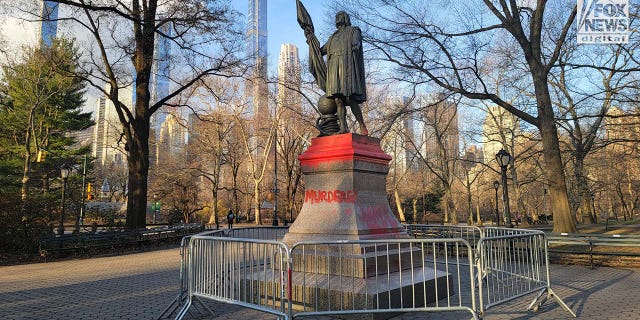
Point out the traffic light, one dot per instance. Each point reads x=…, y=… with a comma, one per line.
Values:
x=89, y=195
x=41, y=156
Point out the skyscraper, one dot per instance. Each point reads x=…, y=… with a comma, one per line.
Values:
x=49, y=27
x=257, y=50
x=441, y=130
x=172, y=139
x=161, y=76
x=289, y=77
x=108, y=143
x=499, y=131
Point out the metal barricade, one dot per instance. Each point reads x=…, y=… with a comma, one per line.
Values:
x=246, y=272
x=513, y=263
x=498, y=231
x=180, y=300
x=382, y=276
x=319, y=278
x=262, y=233
x=471, y=234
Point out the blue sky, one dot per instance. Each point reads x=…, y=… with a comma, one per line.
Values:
x=282, y=26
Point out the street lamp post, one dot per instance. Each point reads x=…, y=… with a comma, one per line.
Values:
x=504, y=158
x=65, y=170
x=496, y=186
x=80, y=215
x=275, y=174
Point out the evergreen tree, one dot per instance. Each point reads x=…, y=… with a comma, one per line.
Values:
x=41, y=102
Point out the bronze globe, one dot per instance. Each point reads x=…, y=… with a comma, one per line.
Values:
x=327, y=106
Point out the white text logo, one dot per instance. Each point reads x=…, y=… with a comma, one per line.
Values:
x=603, y=21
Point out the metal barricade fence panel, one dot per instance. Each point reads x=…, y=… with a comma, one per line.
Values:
x=488, y=232
x=251, y=273
x=182, y=296
x=381, y=276
x=513, y=263
x=471, y=234
x=512, y=266
x=374, y=276
x=262, y=233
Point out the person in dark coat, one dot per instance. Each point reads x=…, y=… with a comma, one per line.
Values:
x=230, y=218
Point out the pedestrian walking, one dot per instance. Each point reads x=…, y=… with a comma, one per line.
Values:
x=230, y=217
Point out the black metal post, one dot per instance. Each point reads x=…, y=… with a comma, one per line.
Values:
x=275, y=173
x=505, y=198
x=80, y=215
x=496, y=186
x=64, y=194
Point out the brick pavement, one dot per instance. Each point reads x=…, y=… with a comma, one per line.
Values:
x=141, y=285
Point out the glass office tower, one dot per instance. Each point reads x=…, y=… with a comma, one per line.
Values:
x=49, y=27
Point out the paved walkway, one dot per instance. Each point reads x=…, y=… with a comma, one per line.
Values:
x=140, y=286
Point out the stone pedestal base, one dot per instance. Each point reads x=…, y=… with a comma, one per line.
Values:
x=345, y=196
x=317, y=293
x=345, y=199
x=342, y=293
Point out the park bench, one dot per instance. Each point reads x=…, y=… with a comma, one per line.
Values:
x=594, y=245
x=112, y=241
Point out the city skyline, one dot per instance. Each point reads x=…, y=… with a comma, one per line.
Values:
x=282, y=28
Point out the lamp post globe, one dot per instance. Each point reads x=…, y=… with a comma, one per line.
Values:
x=504, y=158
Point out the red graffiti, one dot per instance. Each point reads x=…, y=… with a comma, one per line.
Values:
x=376, y=218
x=339, y=196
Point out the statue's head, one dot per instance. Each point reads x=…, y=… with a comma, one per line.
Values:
x=342, y=19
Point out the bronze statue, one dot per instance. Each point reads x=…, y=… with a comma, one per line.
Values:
x=342, y=77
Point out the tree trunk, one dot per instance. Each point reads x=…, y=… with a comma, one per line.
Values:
x=256, y=201
x=415, y=210
x=517, y=192
x=396, y=196
x=138, y=163
x=26, y=169
x=451, y=215
x=623, y=203
x=563, y=221
x=478, y=217
x=584, y=194
x=236, y=202
x=469, y=200
x=214, y=209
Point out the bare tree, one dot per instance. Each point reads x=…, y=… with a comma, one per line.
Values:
x=586, y=88
x=428, y=48
x=204, y=41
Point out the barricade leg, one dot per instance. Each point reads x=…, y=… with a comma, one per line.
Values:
x=541, y=298
x=184, y=310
